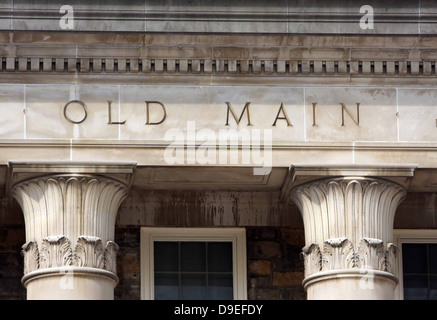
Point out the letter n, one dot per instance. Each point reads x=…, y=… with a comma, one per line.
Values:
x=355, y=119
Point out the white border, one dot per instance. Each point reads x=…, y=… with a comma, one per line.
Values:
x=236, y=235
x=401, y=236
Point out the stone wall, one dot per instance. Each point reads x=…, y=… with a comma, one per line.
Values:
x=274, y=267
x=128, y=263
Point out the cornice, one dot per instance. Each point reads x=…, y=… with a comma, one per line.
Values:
x=285, y=16
x=167, y=58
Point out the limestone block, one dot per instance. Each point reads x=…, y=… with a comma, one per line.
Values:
x=45, y=107
x=377, y=109
x=12, y=110
x=417, y=115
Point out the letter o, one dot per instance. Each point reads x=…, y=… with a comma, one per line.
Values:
x=84, y=110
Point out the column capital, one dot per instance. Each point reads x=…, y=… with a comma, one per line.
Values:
x=69, y=212
x=348, y=215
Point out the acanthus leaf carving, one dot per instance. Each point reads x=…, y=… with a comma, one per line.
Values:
x=58, y=251
x=31, y=256
x=89, y=252
x=390, y=258
x=371, y=254
x=312, y=258
x=55, y=252
x=111, y=256
x=339, y=253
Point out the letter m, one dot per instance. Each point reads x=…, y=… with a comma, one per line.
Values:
x=237, y=120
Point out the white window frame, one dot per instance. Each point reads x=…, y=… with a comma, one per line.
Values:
x=401, y=236
x=235, y=235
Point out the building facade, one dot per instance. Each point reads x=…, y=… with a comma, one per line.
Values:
x=280, y=150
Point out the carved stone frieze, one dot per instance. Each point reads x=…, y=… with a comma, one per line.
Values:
x=59, y=251
x=340, y=254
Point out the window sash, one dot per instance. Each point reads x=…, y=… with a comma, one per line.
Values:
x=235, y=235
x=204, y=269
x=402, y=236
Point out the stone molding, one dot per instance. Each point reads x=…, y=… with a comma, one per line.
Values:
x=292, y=17
x=339, y=254
x=221, y=55
x=59, y=251
x=287, y=66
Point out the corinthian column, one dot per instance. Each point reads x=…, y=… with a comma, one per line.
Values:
x=348, y=216
x=69, y=212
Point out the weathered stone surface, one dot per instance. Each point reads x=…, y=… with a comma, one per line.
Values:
x=264, y=250
x=277, y=276
x=259, y=267
x=273, y=17
x=287, y=279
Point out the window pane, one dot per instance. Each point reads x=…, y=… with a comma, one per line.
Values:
x=433, y=258
x=193, y=256
x=433, y=288
x=166, y=286
x=193, y=270
x=220, y=256
x=220, y=287
x=193, y=286
x=416, y=287
x=414, y=258
x=166, y=256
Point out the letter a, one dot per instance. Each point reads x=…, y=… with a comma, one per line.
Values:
x=285, y=117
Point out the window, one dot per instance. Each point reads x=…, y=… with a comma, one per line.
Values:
x=417, y=264
x=190, y=264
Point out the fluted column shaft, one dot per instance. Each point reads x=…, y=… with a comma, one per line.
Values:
x=348, y=224
x=70, y=251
